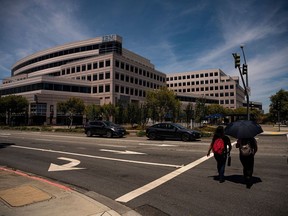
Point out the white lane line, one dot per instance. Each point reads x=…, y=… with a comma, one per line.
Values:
x=155, y=144
x=49, y=140
x=99, y=157
x=144, y=189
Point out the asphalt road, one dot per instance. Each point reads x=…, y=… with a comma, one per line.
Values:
x=154, y=177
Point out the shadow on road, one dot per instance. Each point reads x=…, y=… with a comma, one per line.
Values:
x=239, y=179
x=5, y=145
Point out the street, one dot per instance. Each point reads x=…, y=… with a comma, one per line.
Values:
x=154, y=177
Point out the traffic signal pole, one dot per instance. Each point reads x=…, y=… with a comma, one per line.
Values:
x=247, y=85
x=237, y=65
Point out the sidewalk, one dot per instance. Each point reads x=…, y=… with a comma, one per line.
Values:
x=274, y=130
x=22, y=194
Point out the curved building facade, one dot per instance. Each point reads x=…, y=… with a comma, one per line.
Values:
x=98, y=70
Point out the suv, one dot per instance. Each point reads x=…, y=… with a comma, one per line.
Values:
x=104, y=128
x=171, y=131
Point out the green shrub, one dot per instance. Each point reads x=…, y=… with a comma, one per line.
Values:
x=141, y=133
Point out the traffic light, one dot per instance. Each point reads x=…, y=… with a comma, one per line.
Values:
x=244, y=69
x=237, y=59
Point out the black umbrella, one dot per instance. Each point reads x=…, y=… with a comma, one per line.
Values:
x=243, y=129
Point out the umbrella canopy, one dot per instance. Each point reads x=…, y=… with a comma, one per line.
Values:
x=243, y=129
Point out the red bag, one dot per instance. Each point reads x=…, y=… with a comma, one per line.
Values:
x=218, y=146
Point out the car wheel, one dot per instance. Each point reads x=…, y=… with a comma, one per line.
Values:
x=152, y=136
x=109, y=134
x=88, y=134
x=185, y=137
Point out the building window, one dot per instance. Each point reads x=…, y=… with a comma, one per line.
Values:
x=107, y=75
x=95, y=65
x=107, y=88
x=117, y=63
x=117, y=88
x=83, y=67
x=94, y=89
x=101, y=76
x=89, y=67
x=108, y=63
x=78, y=69
x=95, y=77
x=100, y=88
x=101, y=64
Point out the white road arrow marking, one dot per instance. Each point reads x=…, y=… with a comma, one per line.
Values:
x=122, y=152
x=161, y=145
x=65, y=167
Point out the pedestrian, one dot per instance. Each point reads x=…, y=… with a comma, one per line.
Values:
x=219, y=146
x=247, y=150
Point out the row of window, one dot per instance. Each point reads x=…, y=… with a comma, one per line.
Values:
x=202, y=90
x=192, y=76
x=211, y=88
x=54, y=64
x=86, y=67
x=46, y=86
x=140, y=71
x=227, y=101
x=192, y=99
x=103, y=48
x=134, y=80
x=130, y=91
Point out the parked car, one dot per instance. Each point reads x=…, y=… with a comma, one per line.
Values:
x=171, y=131
x=104, y=128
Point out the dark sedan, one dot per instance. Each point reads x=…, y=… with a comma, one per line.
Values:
x=171, y=131
x=104, y=128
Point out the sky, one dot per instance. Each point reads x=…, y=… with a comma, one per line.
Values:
x=175, y=35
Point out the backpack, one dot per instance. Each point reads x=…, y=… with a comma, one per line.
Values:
x=218, y=146
x=246, y=149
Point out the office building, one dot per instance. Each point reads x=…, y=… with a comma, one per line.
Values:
x=212, y=83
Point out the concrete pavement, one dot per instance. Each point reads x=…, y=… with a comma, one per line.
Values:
x=24, y=194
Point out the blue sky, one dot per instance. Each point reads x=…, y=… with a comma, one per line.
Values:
x=176, y=35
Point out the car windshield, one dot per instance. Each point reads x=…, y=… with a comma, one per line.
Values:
x=111, y=124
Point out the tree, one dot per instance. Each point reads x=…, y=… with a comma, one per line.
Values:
x=200, y=109
x=93, y=111
x=71, y=107
x=161, y=102
x=133, y=113
x=189, y=112
x=13, y=105
x=108, y=111
x=215, y=109
x=279, y=106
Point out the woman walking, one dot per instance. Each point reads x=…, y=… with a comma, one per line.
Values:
x=219, y=146
x=247, y=150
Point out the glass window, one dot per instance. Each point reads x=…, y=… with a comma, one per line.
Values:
x=101, y=76
x=95, y=65
x=108, y=63
x=100, y=88
x=101, y=64
x=107, y=88
x=83, y=67
x=107, y=75
x=95, y=77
